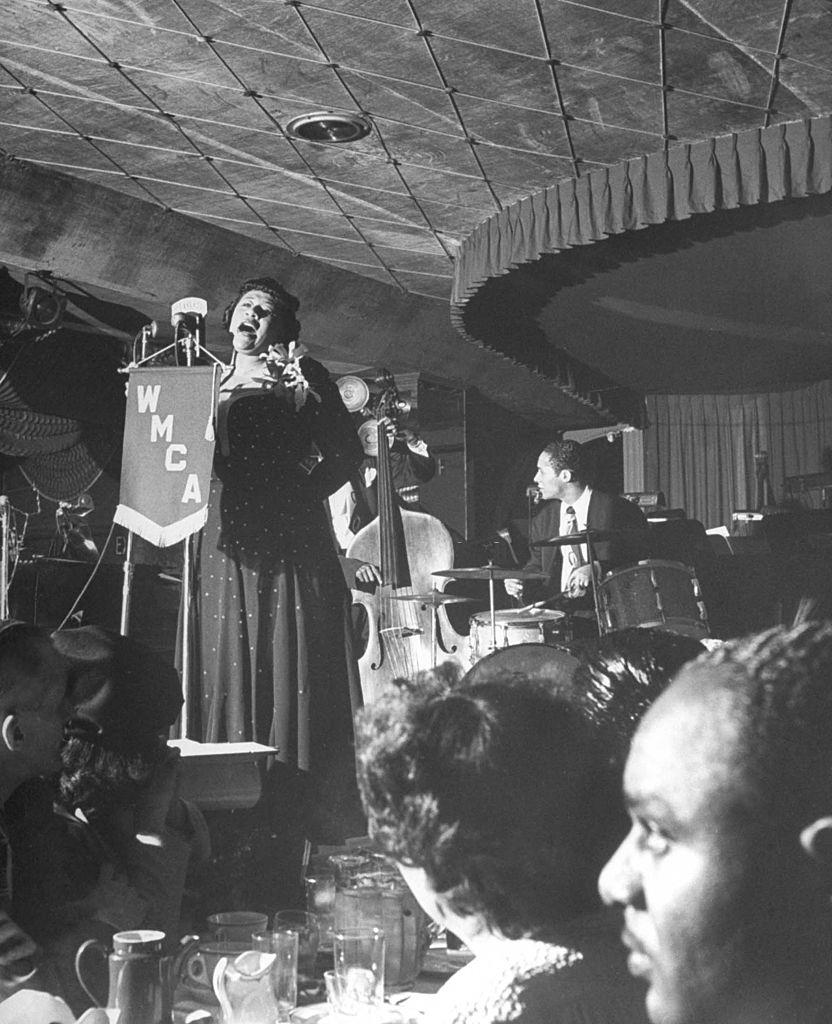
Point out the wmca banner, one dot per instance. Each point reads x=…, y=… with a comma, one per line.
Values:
x=168, y=451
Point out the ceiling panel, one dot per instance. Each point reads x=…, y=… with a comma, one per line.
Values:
x=490, y=23
x=611, y=100
x=266, y=27
x=391, y=101
x=390, y=50
x=391, y=12
x=467, y=113
x=495, y=74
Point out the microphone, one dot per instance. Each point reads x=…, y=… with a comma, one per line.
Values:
x=185, y=323
x=190, y=319
x=533, y=493
x=186, y=317
x=188, y=313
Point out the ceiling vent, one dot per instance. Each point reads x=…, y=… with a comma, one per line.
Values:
x=329, y=127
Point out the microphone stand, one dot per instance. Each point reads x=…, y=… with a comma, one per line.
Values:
x=192, y=339
x=191, y=343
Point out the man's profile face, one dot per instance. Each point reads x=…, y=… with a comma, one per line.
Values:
x=705, y=914
x=547, y=478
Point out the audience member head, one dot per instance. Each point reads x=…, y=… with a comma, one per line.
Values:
x=484, y=794
x=126, y=697
x=726, y=874
x=622, y=673
x=33, y=705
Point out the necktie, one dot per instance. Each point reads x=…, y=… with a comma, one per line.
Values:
x=575, y=555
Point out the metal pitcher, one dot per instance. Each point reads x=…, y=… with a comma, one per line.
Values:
x=141, y=979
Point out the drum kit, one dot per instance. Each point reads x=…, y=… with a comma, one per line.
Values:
x=651, y=594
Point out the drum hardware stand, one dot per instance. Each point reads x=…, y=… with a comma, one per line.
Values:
x=434, y=599
x=593, y=576
x=492, y=604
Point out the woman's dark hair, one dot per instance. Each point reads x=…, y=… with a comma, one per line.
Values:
x=620, y=675
x=283, y=300
x=492, y=788
x=98, y=779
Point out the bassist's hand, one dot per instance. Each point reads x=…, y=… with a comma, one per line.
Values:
x=368, y=573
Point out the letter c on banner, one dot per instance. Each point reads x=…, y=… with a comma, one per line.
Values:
x=170, y=451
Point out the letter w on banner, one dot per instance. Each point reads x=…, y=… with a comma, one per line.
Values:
x=168, y=452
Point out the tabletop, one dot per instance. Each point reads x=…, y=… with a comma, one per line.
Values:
x=440, y=963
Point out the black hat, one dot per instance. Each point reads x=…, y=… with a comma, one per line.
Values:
x=124, y=694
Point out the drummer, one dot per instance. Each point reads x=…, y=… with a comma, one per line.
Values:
x=570, y=505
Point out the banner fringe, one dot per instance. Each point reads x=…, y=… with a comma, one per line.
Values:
x=153, y=533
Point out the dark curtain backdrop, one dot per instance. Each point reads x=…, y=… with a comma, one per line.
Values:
x=699, y=449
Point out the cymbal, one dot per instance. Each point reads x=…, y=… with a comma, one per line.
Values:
x=490, y=572
x=435, y=598
x=581, y=537
x=32, y=560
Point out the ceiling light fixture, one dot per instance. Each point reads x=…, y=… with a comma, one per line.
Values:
x=42, y=302
x=329, y=127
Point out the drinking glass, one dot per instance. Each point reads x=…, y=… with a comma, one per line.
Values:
x=305, y=925
x=320, y=901
x=284, y=944
x=236, y=925
x=358, y=960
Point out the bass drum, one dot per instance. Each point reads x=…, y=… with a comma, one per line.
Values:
x=551, y=665
x=516, y=626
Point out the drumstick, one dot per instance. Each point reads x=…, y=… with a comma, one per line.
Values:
x=542, y=604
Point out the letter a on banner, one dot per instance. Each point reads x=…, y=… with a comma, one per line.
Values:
x=168, y=452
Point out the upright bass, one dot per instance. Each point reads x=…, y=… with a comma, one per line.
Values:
x=409, y=629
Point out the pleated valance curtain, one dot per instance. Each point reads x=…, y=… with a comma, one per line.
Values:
x=699, y=449
x=61, y=410
x=762, y=165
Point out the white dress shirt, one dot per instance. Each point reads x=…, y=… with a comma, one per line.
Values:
x=581, y=507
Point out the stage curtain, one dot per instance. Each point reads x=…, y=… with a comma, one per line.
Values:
x=699, y=449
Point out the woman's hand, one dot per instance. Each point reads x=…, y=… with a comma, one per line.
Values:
x=283, y=372
x=18, y=954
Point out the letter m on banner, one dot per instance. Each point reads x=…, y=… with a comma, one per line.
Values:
x=168, y=452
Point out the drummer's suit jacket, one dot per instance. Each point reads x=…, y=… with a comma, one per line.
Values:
x=605, y=512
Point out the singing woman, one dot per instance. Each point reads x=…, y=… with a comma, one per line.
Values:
x=274, y=660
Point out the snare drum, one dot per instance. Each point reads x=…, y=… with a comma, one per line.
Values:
x=515, y=626
x=664, y=595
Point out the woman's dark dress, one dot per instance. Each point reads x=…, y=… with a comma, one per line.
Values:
x=273, y=658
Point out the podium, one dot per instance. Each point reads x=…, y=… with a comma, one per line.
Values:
x=223, y=776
